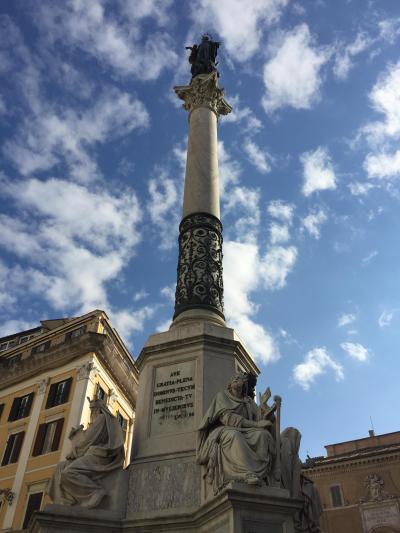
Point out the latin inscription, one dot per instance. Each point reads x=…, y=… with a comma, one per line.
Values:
x=173, y=398
x=385, y=514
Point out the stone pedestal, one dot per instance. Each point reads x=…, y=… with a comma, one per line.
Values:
x=180, y=372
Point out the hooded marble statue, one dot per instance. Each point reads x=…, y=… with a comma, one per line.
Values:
x=235, y=442
x=299, y=486
x=95, y=452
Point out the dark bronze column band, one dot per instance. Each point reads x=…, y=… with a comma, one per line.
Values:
x=199, y=274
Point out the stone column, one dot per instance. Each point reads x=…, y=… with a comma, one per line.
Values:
x=199, y=290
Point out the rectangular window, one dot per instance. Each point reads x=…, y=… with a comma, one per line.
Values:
x=123, y=423
x=100, y=393
x=75, y=333
x=41, y=347
x=34, y=503
x=13, y=360
x=13, y=448
x=58, y=393
x=48, y=437
x=1, y=409
x=336, y=496
x=23, y=339
x=21, y=407
x=3, y=346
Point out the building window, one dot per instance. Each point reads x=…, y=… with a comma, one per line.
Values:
x=3, y=346
x=123, y=423
x=75, y=333
x=48, y=437
x=13, y=360
x=41, y=347
x=58, y=393
x=21, y=407
x=1, y=409
x=336, y=496
x=100, y=393
x=13, y=448
x=34, y=503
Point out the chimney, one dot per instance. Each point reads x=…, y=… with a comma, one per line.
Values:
x=371, y=433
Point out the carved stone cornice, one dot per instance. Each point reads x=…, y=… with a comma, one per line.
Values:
x=203, y=91
x=199, y=282
x=124, y=371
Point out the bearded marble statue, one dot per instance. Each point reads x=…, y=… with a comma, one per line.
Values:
x=306, y=520
x=95, y=453
x=235, y=440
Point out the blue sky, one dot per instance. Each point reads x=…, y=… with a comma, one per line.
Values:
x=93, y=158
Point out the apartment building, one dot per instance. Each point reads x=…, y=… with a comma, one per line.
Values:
x=359, y=484
x=48, y=375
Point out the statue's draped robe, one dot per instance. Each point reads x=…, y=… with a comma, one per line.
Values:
x=229, y=450
x=95, y=452
x=308, y=518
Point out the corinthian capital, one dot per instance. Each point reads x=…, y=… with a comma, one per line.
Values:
x=203, y=91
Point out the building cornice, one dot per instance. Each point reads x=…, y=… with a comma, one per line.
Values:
x=121, y=367
x=349, y=464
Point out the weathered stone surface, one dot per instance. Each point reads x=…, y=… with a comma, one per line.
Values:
x=163, y=485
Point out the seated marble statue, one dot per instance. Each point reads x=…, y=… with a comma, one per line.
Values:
x=96, y=451
x=235, y=442
x=299, y=486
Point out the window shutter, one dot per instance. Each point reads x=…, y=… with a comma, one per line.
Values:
x=1, y=409
x=66, y=390
x=29, y=404
x=57, y=435
x=14, y=409
x=34, y=503
x=19, y=439
x=7, y=452
x=38, y=446
x=51, y=396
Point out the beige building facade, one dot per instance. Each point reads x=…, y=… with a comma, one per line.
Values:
x=359, y=484
x=47, y=376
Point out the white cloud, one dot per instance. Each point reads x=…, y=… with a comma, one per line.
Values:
x=229, y=169
x=292, y=76
x=241, y=30
x=389, y=29
x=281, y=210
x=278, y=233
x=276, y=266
x=355, y=350
x=385, y=318
x=313, y=222
x=242, y=115
x=385, y=99
x=318, y=172
x=243, y=202
x=383, y=165
x=169, y=292
x=48, y=138
x=345, y=54
x=15, y=326
x=130, y=321
x=358, y=188
x=163, y=208
x=346, y=318
x=140, y=295
x=74, y=240
x=112, y=36
x=368, y=258
x=241, y=278
x=258, y=157
x=316, y=362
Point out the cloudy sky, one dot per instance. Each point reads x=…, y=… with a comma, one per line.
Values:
x=93, y=158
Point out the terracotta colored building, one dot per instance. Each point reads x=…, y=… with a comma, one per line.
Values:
x=47, y=375
x=359, y=484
